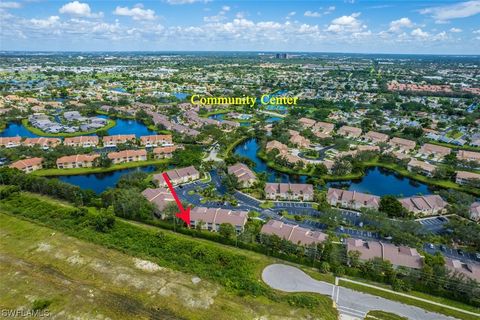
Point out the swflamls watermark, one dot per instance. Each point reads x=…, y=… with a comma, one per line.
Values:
x=19, y=313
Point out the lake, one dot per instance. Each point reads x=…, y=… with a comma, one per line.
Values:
x=381, y=182
x=99, y=182
x=377, y=181
x=123, y=126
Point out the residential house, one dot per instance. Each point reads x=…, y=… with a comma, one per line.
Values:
x=352, y=199
x=425, y=205
x=159, y=197
x=402, y=145
x=274, y=144
x=434, y=151
x=375, y=137
x=306, y=122
x=466, y=178
x=350, y=132
x=212, y=218
x=113, y=141
x=475, y=211
x=397, y=255
x=289, y=191
x=465, y=155
x=293, y=233
x=43, y=142
x=163, y=152
x=324, y=127
x=127, y=156
x=10, y=142
x=156, y=140
x=470, y=270
x=81, y=141
x=76, y=161
x=298, y=140
x=245, y=176
x=178, y=176
x=423, y=167
x=28, y=165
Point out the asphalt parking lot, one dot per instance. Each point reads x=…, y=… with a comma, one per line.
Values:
x=433, y=224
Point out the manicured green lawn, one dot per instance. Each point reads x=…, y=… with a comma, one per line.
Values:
x=413, y=302
x=382, y=315
x=110, y=124
x=77, y=171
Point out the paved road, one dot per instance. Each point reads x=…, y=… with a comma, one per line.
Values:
x=349, y=302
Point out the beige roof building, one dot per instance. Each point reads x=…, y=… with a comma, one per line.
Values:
x=475, y=211
x=424, y=167
x=425, y=205
x=293, y=233
x=10, y=142
x=244, y=175
x=274, y=144
x=403, y=145
x=397, y=255
x=160, y=197
x=376, y=137
x=164, y=152
x=76, y=161
x=470, y=270
x=156, y=140
x=178, y=176
x=352, y=199
x=28, y=165
x=324, y=127
x=42, y=142
x=438, y=152
x=465, y=177
x=298, y=140
x=466, y=155
x=306, y=122
x=118, y=139
x=289, y=191
x=212, y=218
x=351, y=132
x=81, y=141
x=127, y=156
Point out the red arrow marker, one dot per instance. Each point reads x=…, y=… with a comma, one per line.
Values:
x=183, y=214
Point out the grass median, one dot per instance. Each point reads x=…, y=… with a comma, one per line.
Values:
x=421, y=304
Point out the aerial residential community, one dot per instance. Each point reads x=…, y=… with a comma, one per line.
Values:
x=239, y=184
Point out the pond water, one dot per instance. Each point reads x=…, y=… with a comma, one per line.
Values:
x=381, y=182
x=99, y=182
x=123, y=126
x=376, y=181
x=180, y=95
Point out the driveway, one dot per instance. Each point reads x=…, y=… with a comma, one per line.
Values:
x=349, y=302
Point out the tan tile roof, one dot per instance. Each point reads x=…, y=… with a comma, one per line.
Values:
x=81, y=139
x=422, y=203
x=293, y=233
x=219, y=216
x=77, y=158
x=25, y=163
x=127, y=153
x=241, y=171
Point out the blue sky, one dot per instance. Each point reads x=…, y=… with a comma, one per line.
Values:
x=443, y=27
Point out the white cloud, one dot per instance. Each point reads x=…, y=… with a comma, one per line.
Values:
x=290, y=14
x=10, y=5
x=397, y=25
x=185, y=1
x=312, y=14
x=45, y=23
x=225, y=8
x=79, y=9
x=419, y=33
x=455, y=11
x=346, y=24
x=330, y=10
x=137, y=13
x=455, y=30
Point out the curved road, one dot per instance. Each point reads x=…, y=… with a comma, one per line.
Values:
x=349, y=302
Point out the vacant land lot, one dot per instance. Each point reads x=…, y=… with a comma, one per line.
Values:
x=81, y=280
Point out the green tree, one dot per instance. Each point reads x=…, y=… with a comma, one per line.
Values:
x=392, y=207
x=226, y=230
